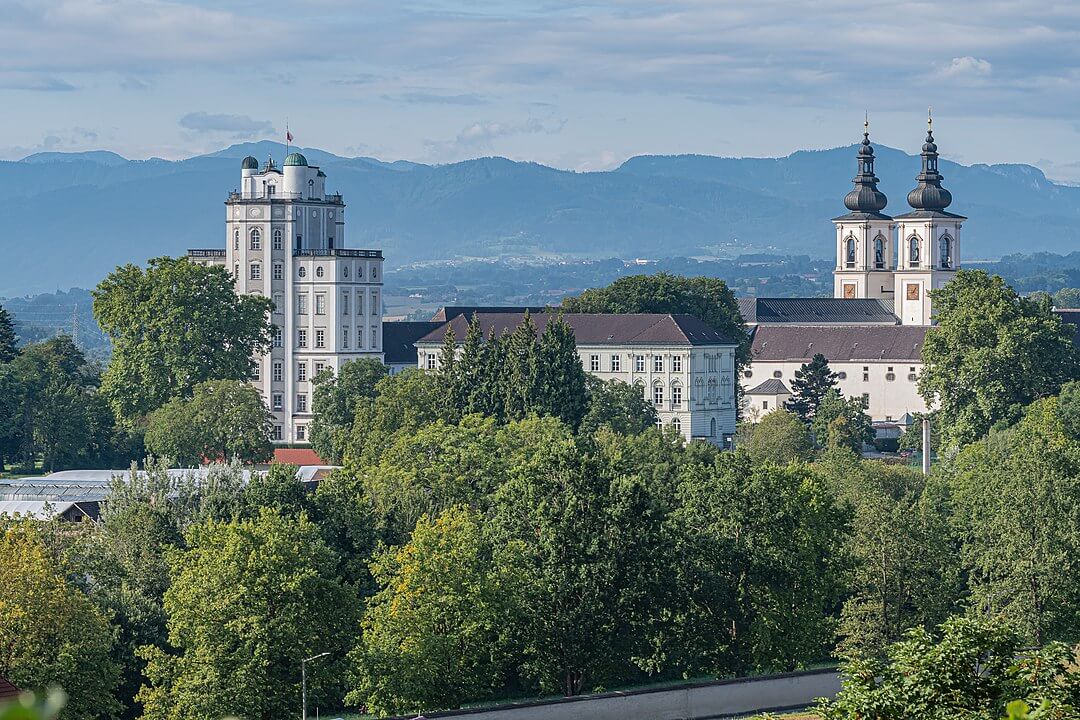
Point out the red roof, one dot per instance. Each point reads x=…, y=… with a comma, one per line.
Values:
x=7, y=690
x=298, y=456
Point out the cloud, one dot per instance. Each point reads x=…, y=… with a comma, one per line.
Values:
x=966, y=67
x=481, y=136
x=134, y=83
x=234, y=126
x=34, y=82
x=430, y=98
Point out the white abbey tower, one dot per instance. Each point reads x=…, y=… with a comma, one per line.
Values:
x=898, y=260
x=285, y=240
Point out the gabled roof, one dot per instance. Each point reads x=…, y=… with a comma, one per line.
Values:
x=598, y=329
x=772, y=386
x=842, y=343
x=398, y=339
x=449, y=312
x=816, y=311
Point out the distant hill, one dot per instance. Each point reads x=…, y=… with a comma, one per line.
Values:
x=70, y=218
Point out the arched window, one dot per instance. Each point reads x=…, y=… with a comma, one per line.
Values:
x=913, y=251
x=849, y=252
x=256, y=238
x=236, y=271
x=712, y=428
x=236, y=240
x=946, y=251
x=677, y=424
x=712, y=389
x=699, y=390
x=879, y=252
x=302, y=272
x=311, y=188
x=278, y=243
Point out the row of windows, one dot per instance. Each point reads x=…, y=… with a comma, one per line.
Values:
x=677, y=424
x=890, y=374
x=945, y=251
x=320, y=303
x=615, y=363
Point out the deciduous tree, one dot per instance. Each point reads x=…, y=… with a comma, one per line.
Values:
x=617, y=405
x=334, y=404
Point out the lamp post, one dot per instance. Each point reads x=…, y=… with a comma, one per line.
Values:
x=303, y=682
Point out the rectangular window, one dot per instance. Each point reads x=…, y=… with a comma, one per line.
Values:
x=375, y=303
x=301, y=432
x=764, y=404
x=320, y=338
x=676, y=363
x=676, y=395
x=594, y=363
x=301, y=403
x=277, y=371
x=359, y=304
x=301, y=371
x=639, y=363
x=277, y=245
x=256, y=271
x=277, y=337
x=279, y=305
x=431, y=361
x=616, y=363
x=301, y=338
x=866, y=373
x=374, y=336
x=278, y=399
x=866, y=399
x=301, y=304
x=658, y=363
x=658, y=395
x=279, y=271
x=345, y=338
x=256, y=373
x=277, y=433
x=319, y=367
x=345, y=303
x=320, y=304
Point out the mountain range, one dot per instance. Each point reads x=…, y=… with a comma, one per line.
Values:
x=72, y=217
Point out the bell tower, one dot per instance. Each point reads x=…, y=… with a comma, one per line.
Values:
x=929, y=241
x=865, y=256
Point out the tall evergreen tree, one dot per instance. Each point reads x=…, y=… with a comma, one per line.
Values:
x=471, y=368
x=492, y=393
x=522, y=370
x=561, y=377
x=450, y=374
x=8, y=339
x=811, y=382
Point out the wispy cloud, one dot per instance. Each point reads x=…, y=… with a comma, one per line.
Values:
x=431, y=98
x=35, y=82
x=481, y=136
x=233, y=126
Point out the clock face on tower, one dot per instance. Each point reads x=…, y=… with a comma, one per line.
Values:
x=849, y=291
x=912, y=292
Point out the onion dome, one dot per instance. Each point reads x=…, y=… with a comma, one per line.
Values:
x=295, y=159
x=249, y=163
x=865, y=197
x=929, y=195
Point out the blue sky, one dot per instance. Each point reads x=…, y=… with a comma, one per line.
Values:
x=574, y=85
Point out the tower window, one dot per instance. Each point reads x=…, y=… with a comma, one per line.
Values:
x=278, y=245
x=256, y=271
x=302, y=272
x=256, y=239
x=913, y=251
x=236, y=240
x=319, y=271
x=279, y=271
x=946, y=252
x=879, y=252
x=849, y=253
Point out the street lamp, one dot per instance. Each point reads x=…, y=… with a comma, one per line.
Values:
x=303, y=681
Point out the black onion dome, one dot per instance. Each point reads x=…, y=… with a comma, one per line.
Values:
x=865, y=197
x=929, y=195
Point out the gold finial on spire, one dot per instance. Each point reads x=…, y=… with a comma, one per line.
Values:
x=866, y=121
x=930, y=117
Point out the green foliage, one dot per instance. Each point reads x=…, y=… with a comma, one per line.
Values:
x=1067, y=298
x=707, y=298
x=1017, y=507
x=561, y=380
x=248, y=601
x=334, y=404
x=224, y=419
x=29, y=707
x=991, y=353
x=617, y=405
x=50, y=633
x=780, y=437
x=812, y=382
x=432, y=633
x=277, y=489
x=841, y=422
x=9, y=343
x=972, y=670
x=403, y=402
x=174, y=325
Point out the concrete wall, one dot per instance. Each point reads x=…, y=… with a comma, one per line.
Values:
x=697, y=701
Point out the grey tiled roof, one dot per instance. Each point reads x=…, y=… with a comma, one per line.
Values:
x=816, y=311
x=842, y=343
x=398, y=339
x=772, y=386
x=449, y=312
x=599, y=329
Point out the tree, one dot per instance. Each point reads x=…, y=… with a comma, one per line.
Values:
x=991, y=353
x=842, y=422
x=1017, y=508
x=472, y=371
x=334, y=404
x=432, y=633
x=971, y=669
x=224, y=419
x=620, y=406
x=274, y=600
x=173, y=326
x=706, y=298
x=1067, y=298
x=522, y=368
x=9, y=341
x=403, y=402
x=562, y=386
x=277, y=489
x=779, y=437
x=50, y=634
x=812, y=381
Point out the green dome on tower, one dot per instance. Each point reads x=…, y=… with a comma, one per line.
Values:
x=249, y=163
x=295, y=159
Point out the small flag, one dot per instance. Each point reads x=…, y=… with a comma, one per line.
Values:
x=288, y=136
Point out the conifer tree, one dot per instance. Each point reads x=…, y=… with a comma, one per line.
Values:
x=522, y=359
x=490, y=397
x=561, y=376
x=8, y=340
x=812, y=381
x=471, y=368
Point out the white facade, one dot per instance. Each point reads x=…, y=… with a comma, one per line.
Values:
x=929, y=257
x=285, y=240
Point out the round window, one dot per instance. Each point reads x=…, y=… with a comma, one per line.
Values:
x=345, y=271
x=302, y=272
x=747, y=374
x=777, y=374
x=360, y=272
x=319, y=271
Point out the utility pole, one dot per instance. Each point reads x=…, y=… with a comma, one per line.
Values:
x=303, y=682
x=926, y=446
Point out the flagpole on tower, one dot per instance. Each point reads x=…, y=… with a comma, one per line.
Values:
x=288, y=137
